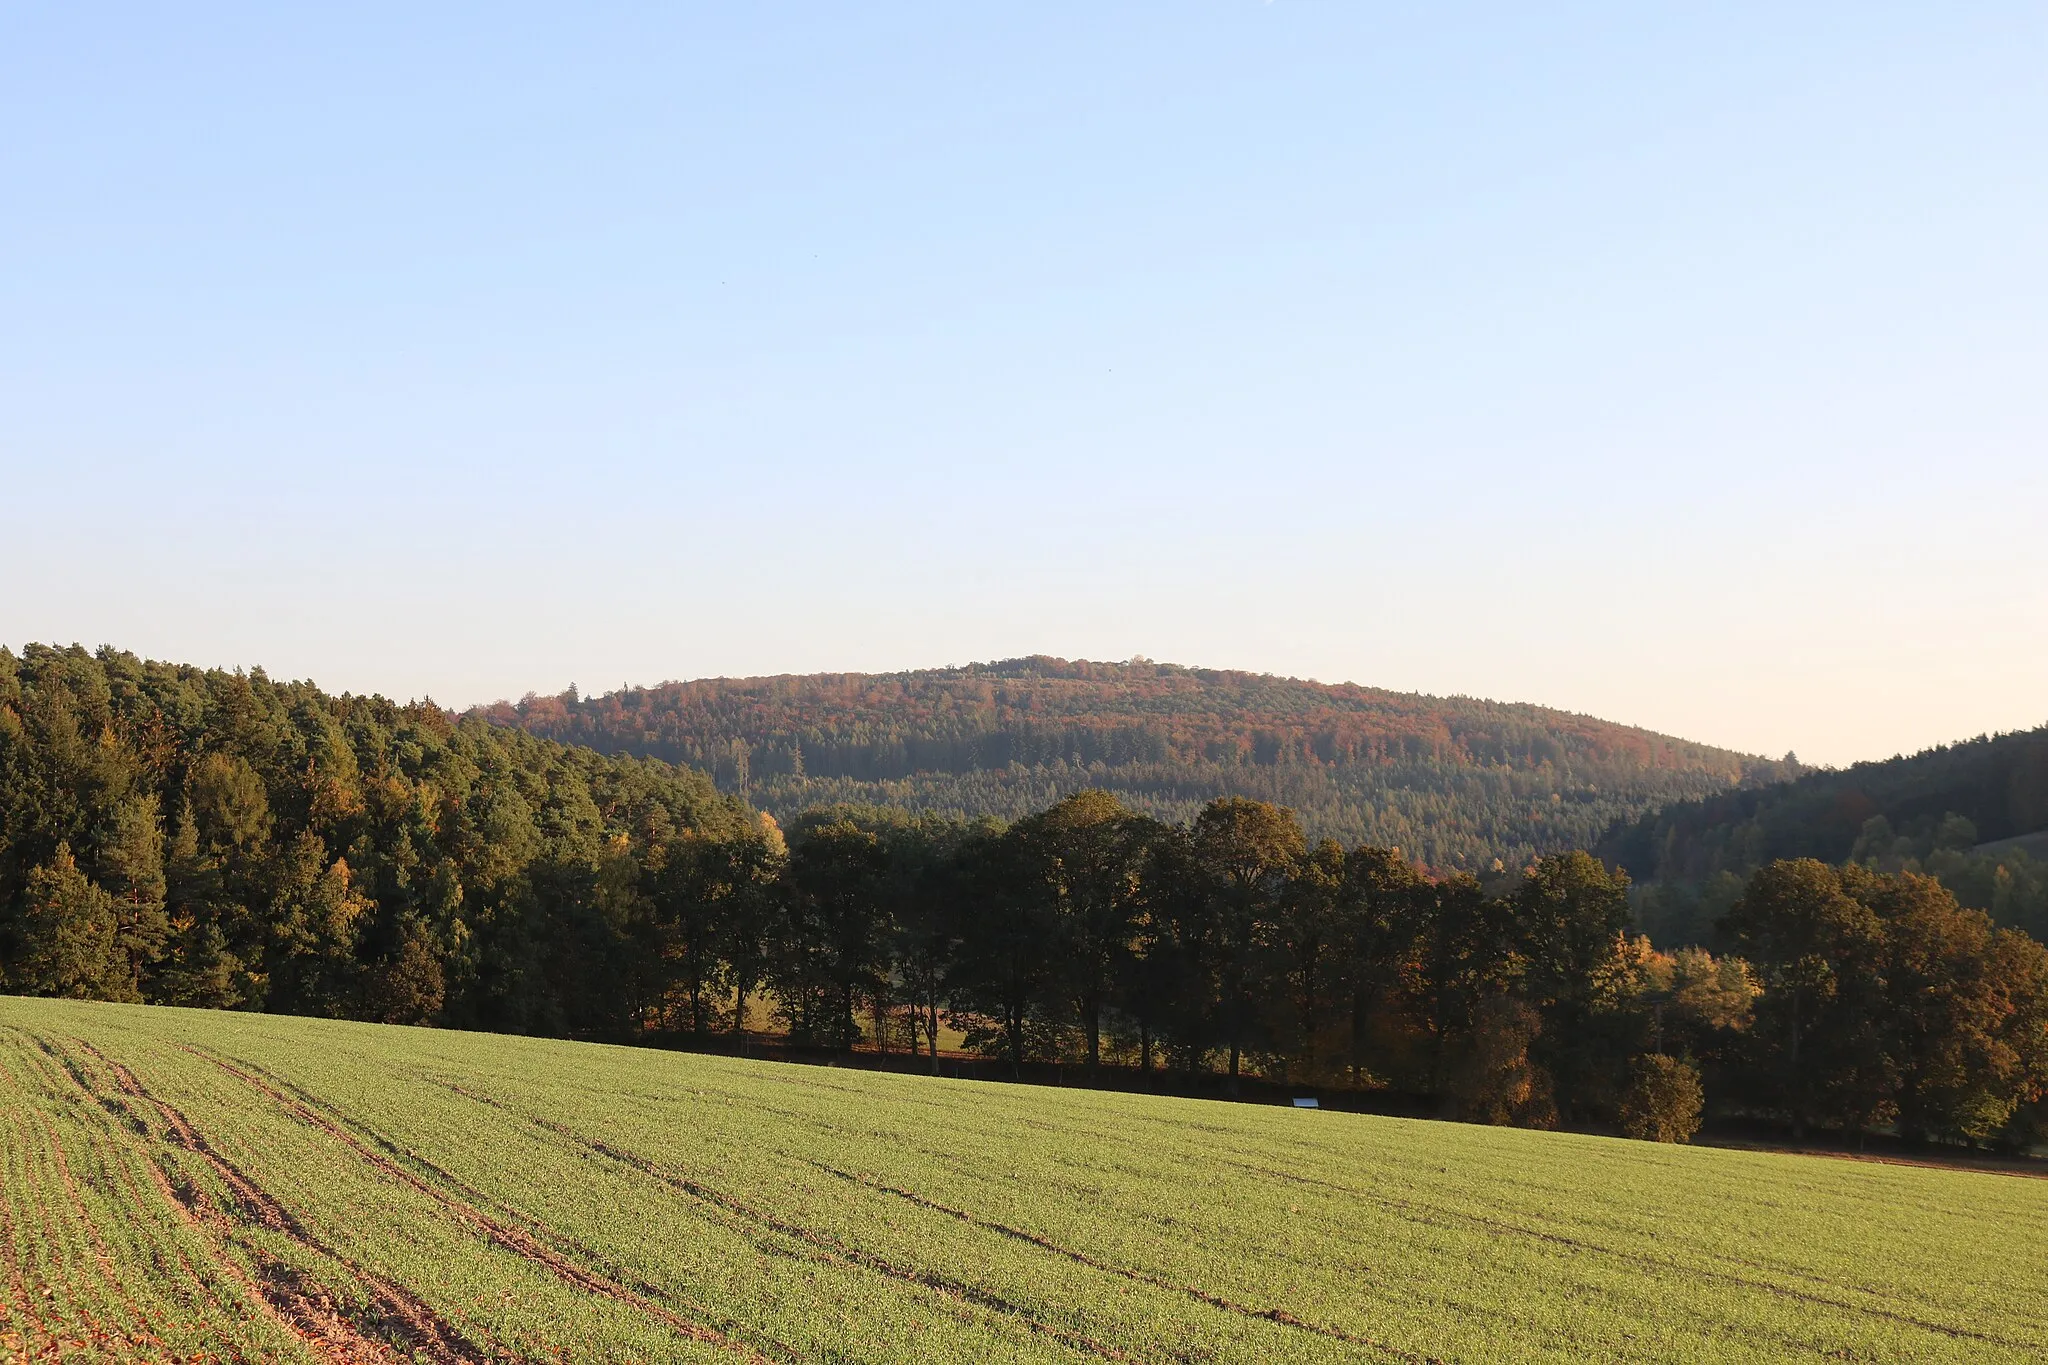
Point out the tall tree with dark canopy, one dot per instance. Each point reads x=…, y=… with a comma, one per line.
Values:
x=1089, y=852
x=836, y=940
x=1384, y=901
x=1570, y=913
x=1817, y=949
x=1309, y=941
x=1003, y=973
x=67, y=937
x=1244, y=851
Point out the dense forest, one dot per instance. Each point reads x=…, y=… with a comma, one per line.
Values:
x=208, y=838
x=1963, y=813
x=218, y=839
x=1453, y=782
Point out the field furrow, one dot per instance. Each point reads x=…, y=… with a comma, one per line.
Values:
x=504, y=1234
x=1277, y=1315
x=836, y=1250
x=392, y=1316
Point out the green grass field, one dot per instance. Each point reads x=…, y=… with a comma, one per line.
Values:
x=179, y=1184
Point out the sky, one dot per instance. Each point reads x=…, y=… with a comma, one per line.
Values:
x=1685, y=366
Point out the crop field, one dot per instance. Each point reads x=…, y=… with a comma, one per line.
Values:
x=181, y=1185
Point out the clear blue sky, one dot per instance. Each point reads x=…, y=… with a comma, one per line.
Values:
x=1684, y=366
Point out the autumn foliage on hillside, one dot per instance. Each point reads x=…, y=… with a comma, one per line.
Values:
x=1455, y=780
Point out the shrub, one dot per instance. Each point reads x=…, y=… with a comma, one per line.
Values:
x=1663, y=1101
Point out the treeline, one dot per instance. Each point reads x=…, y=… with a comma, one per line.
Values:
x=1971, y=815
x=219, y=839
x=1454, y=782
x=1088, y=932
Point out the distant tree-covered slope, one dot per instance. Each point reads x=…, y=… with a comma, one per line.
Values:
x=1456, y=782
x=1963, y=813
x=1998, y=784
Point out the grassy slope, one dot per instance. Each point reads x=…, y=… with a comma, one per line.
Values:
x=485, y=1196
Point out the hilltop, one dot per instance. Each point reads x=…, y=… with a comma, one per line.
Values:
x=1454, y=781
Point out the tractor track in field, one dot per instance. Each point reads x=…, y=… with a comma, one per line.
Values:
x=302, y=1308
x=495, y=1230
x=834, y=1251
x=1427, y=1213
x=1213, y=1300
x=477, y=1199
x=204, y=1291
x=118, y=1296
x=204, y=1285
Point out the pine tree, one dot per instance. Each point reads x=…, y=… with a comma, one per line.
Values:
x=69, y=937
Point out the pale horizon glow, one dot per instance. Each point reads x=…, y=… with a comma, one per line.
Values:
x=1683, y=370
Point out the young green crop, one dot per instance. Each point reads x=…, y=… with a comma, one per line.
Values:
x=182, y=1184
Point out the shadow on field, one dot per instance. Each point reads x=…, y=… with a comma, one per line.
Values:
x=1069, y=1075
x=1738, y=1132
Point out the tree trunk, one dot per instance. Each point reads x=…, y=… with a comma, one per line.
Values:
x=1093, y=1006
x=1798, y=1086
x=1363, y=1002
x=1308, y=1037
x=1436, y=1053
x=1357, y=1036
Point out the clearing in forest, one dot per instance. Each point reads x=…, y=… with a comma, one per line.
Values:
x=178, y=1184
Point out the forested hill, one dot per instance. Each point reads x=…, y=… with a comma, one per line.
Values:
x=1455, y=782
x=1997, y=786
x=1960, y=812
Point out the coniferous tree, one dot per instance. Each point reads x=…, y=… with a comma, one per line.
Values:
x=67, y=938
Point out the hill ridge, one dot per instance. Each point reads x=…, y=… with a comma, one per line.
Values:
x=1459, y=780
